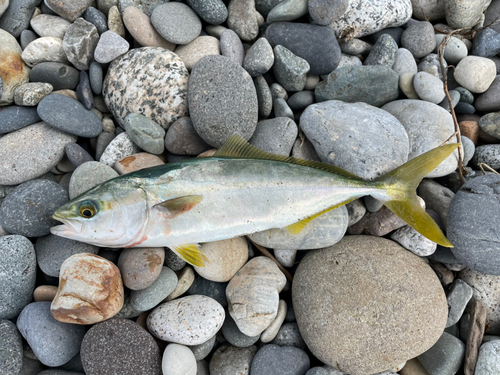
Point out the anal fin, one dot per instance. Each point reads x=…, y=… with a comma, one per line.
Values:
x=191, y=254
x=297, y=227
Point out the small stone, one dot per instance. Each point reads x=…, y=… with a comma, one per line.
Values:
x=127, y=311
x=149, y=297
x=208, y=288
x=487, y=361
x=253, y=295
x=115, y=22
x=145, y=133
x=16, y=17
x=311, y=82
x=406, y=85
x=281, y=109
x=185, y=279
x=110, y=46
x=490, y=124
x=458, y=297
x=487, y=154
x=476, y=74
x=13, y=118
x=230, y=360
x=84, y=91
x=176, y=22
x=276, y=135
x=231, y=46
x=470, y=129
x=383, y=52
x=48, y=25
x=140, y=267
x=289, y=335
x=404, y=62
x=44, y=293
x=272, y=330
x=69, y=10
x=469, y=149
x=285, y=257
x=120, y=147
x=213, y=12
x=428, y=87
x=136, y=162
x=44, y=49
x=489, y=101
x=80, y=42
x=411, y=240
x=355, y=47
x=446, y=354
x=11, y=344
x=464, y=14
x=243, y=19
x=89, y=175
x=182, y=139
x=431, y=10
x=194, y=51
x=96, y=18
x=455, y=99
x=280, y=360
x=290, y=70
x=201, y=351
x=419, y=39
x=259, y=58
x=59, y=75
x=301, y=100
x=234, y=336
x=190, y=320
x=264, y=97
x=30, y=94
x=90, y=290
x=356, y=210
x=437, y=198
x=178, y=360
x=454, y=51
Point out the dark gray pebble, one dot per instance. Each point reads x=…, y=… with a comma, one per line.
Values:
x=234, y=336
x=277, y=360
x=213, y=12
x=300, y=100
x=464, y=108
x=394, y=32
x=212, y=289
x=95, y=76
x=103, y=141
x=16, y=117
x=173, y=261
x=325, y=12
x=59, y=75
x=486, y=43
x=488, y=154
x=27, y=36
x=489, y=101
x=383, y=52
x=97, y=18
x=281, y=109
x=84, y=91
x=28, y=209
x=289, y=335
x=182, y=139
x=275, y=135
x=264, y=98
x=11, y=348
x=419, y=39
x=465, y=95
x=77, y=155
x=231, y=46
x=17, y=16
x=69, y=115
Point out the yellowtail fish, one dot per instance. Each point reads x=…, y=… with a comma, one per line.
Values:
x=241, y=190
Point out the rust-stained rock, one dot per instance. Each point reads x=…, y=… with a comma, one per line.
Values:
x=90, y=290
x=141, y=266
x=477, y=325
x=136, y=162
x=13, y=71
x=470, y=129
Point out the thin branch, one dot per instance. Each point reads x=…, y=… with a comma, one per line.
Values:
x=266, y=252
x=481, y=165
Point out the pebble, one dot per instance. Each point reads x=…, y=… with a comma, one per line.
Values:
x=446, y=355
x=28, y=209
x=149, y=297
x=218, y=89
x=487, y=154
x=243, y=19
x=182, y=139
x=115, y=22
x=53, y=343
x=455, y=99
x=228, y=360
x=288, y=10
x=489, y=101
x=372, y=84
x=145, y=6
x=454, y=51
x=213, y=12
x=383, y=52
x=18, y=274
x=424, y=135
x=355, y=47
x=110, y=46
x=286, y=360
x=264, y=97
x=201, y=351
x=311, y=82
x=48, y=25
x=252, y=295
x=469, y=149
x=419, y=39
x=90, y=290
x=475, y=73
x=437, y=198
x=325, y=12
x=379, y=277
x=286, y=257
x=301, y=100
x=120, y=147
x=470, y=129
x=290, y=70
x=231, y=46
x=190, y=320
x=16, y=17
x=281, y=109
x=80, y=42
x=59, y=75
x=88, y=175
x=411, y=240
x=136, y=162
x=289, y=335
x=13, y=118
x=356, y=210
x=488, y=362
x=27, y=36
x=139, y=26
x=68, y=10
x=176, y=22
x=140, y=267
x=30, y=94
x=135, y=71
x=127, y=311
x=120, y=344
x=465, y=13
x=145, y=133
x=11, y=352
x=259, y=58
x=200, y=47
x=490, y=124
x=272, y=330
x=428, y=87
x=234, y=336
x=52, y=251
x=178, y=360
x=275, y=135
x=103, y=141
x=459, y=295
x=185, y=279
x=84, y=92
x=225, y=258
x=97, y=18
x=369, y=142
x=44, y=49
x=44, y=293
x=69, y=116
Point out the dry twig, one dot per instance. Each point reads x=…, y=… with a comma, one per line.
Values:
x=481, y=165
x=266, y=252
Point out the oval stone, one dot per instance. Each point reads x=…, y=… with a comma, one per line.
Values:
x=386, y=300
x=141, y=266
x=134, y=84
x=190, y=320
x=222, y=100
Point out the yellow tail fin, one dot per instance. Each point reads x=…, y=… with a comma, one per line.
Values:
x=401, y=197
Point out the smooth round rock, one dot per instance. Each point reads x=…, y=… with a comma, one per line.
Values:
x=97, y=18
x=44, y=293
x=95, y=77
x=77, y=155
x=135, y=72
x=287, y=10
x=18, y=274
x=379, y=287
x=276, y=135
x=208, y=288
x=120, y=147
x=69, y=116
x=464, y=13
x=145, y=133
x=16, y=17
x=11, y=348
x=141, y=266
x=68, y=10
x=136, y=162
x=489, y=123
x=178, y=360
x=488, y=362
x=194, y=51
x=218, y=90
x=52, y=251
x=182, y=138
x=28, y=209
x=190, y=320
x=270, y=332
x=404, y=62
x=324, y=12
x=289, y=335
x=185, y=279
x=30, y=94
x=89, y=175
x=475, y=73
x=44, y=49
x=54, y=343
x=419, y=39
x=454, y=51
x=59, y=75
x=264, y=97
x=110, y=46
x=228, y=360
x=234, y=336
x=231, y=46
x=14, y=117
x=428, y=87
x=259, y=58
x=149, y=297
x=213, y=12
x=176, y=22
x=488, y=101
x=120, y=344
x=487, y=154
x=286, y=360
x=244, y=19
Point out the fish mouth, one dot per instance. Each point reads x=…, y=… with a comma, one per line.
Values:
x=67, y=228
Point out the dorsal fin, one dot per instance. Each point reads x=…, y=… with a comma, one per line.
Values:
x=236, y=147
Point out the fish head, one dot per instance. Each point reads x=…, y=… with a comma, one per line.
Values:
x=109, y=215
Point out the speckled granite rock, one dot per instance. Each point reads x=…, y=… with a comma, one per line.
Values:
x=135, y=72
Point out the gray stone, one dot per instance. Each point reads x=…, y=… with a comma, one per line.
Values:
x=173, y=261
x=80, y=42
x=356, y=210
x=437, y=198
x=59, y=75
x=300, y=100
x=244, y=19
x=455, y=99
x=176, y=22
x=103, y=141
x=347, y=60
x=428, y=126
x=54, y=343
x=84, y=91
x=324, y=12
x=52, y=251
x=14, y=117
x=466, y=96
x=68, y=10
x=445, y=356
x=96, y=77
x=145, y=133
x=487, y=154
x=228, y=360
x=11, y=348
x=429, y=87
x=289, y=335
x=383, y=52
x=275, y=135
x=278, y=92
x=17, y=16
x=466, y=13
x=259, y=58
x=374, y=85
x=27, y=36
x=212, y=289
x=355, y=47
x=428, y=9
x=419, y=39
x=427, y=63
x=218, y=89
x=288, y=10
x=110, y=46
x=372, y=204
x=472, y=238
x=213, y=12
x=286, y=360
x=97, y=18
x=127, y=311
x=265, y=6
x=315, y=44
x=89, y=175
x=489, y=101
x=28, y=209
x=18, y=273
x=469, y=149
x=336, y=128
x=264, y=97
x=404, y=62
x=413, y=241
x=454, y=51
x=182, y=139
x=489, y=123
x=330, y=284
x=459, y=295
x=464, y=108
x=234, y=336
x=290, y=70
x=201, y=351
x=121, y=146
x=48, y=25
x=149, y=297
x=30, y=94
x=231, y=46
x=488, y=361
x=281, y=109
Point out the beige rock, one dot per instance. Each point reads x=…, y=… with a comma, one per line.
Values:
x=44, y=293
x=29, y=94
x=45, y=49
x=202, y=46
x=49, y=25
x=470, y=129
x=208, y=153
x=413, y=367
x=270, y=332
x=139, y=26
x=69, y=93
x=108, y=125
x=477, y=323
x=432, y=9
x=225, y=258
x=185, y=280
x=13, y=71
x=465, y=13
x=115, y=22
x=243, y=19
x=141, y=266
x=253, y=295
x=90, y=290
x=406, y=85
x=136, y=162
x=475, y=73
x=4, y=4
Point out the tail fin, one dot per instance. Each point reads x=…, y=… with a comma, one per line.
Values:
x=401, y=197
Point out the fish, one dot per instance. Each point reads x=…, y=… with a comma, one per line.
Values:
x=239, y=191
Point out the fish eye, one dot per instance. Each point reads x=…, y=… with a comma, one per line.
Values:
x=87, y=209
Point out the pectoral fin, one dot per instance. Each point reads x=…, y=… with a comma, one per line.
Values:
x=191, y=254
x=181, y=205
x=296, y=228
